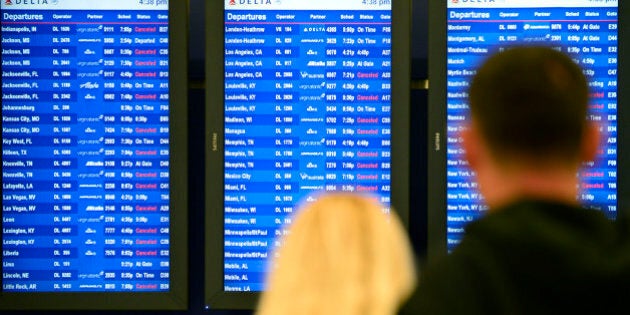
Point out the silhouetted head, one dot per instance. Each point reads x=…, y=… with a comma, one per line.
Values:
x=530, y=101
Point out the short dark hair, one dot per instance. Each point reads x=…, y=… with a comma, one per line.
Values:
x=532, y=101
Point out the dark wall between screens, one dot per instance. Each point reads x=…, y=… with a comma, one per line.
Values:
x=196, y=129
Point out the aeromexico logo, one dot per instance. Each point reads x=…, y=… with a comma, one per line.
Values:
x=248, y=2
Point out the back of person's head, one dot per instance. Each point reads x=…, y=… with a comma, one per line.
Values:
x=530, y=101
x=343, y=255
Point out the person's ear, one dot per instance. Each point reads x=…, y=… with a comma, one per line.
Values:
x=470, y=144
x=590, y=141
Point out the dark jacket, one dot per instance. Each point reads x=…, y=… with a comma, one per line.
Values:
x=531, y=257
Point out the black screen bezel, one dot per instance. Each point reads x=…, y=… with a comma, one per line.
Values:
x=436, y=203
x=177, y=297
x=215, y=296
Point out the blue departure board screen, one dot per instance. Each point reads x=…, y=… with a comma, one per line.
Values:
x=85, y=146
x=307, y=109
x=586, y=30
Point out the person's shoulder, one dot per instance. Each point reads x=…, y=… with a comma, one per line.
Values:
x=506, y=255
x=528, y=219
x=453, y=283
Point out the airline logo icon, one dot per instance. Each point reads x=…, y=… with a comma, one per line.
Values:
x=29, y=2
x=251, y=2
x=471, y=1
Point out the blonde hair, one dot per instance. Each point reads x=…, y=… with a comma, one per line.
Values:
x=343, y=255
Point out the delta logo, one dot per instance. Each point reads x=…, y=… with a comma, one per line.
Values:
x=27, y=2
x=472, y=1
x=250, y=2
